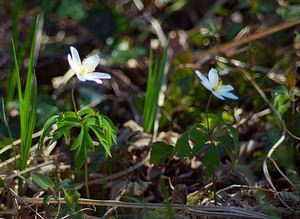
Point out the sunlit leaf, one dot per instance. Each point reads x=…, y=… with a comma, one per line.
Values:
x=42, y=180
x=71, y=197
x=86, y=111
x=281, y=99
x=210, y=121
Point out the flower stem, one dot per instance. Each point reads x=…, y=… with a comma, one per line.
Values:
x=86, y=179
x=212, y=145
x=206, y=112
x=73, y=100
x=86, y=171
x=214, y=188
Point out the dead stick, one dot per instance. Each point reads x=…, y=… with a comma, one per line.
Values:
x=247, y=39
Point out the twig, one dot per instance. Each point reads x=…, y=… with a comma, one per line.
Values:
x=9, y=146
x=83, y=209
x=23, y=201
x=243, y=187
x=235, y=43
x=217, y=211
x=11, y=212
x=112, y=209
x=280, y=171
x=119, y=174
x=12, y=159
x=46, y=163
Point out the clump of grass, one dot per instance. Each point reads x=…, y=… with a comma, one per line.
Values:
x=27, y=100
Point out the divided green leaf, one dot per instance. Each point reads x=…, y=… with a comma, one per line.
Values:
x=160, y=152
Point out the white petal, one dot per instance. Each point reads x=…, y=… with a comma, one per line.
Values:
x=230, y=96
x=97, y=75
x=213, y=77
x=218, y=95
x=75, y=56
x=225, y=88
x=91, y=63
x=207, y=86
x=204, y=80
x=98, y=81
x=72, y=64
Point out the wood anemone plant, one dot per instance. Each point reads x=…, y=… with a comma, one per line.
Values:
x=91, y=124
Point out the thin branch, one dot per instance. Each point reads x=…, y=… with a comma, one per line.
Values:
x=243, y=187
x=9, y=146
x=235, y=43
x=81, y=210
x=281, y=173
x=119, y=174
x=217, y=211
x=112, y=209
x=23, y=201
x=46, y=163
x=12, y=159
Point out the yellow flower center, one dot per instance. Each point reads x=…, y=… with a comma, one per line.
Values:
x=86, y=69
x=217, y=86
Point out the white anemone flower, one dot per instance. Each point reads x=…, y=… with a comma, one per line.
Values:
x=85, y=70
x=216, y=86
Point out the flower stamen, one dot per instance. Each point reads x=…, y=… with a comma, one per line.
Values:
x=217, y=86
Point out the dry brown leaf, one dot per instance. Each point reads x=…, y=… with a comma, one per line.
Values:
x=179, y=195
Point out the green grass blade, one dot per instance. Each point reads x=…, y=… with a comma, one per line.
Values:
x=16, y=67
x=148, y=92
x=28, y=105
x=155, y=80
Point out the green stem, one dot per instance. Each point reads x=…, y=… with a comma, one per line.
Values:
x=86, y=179
x=73, y=100
x=212, y=145
x=86, y=171
x=214, y=189
x=206, y=112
